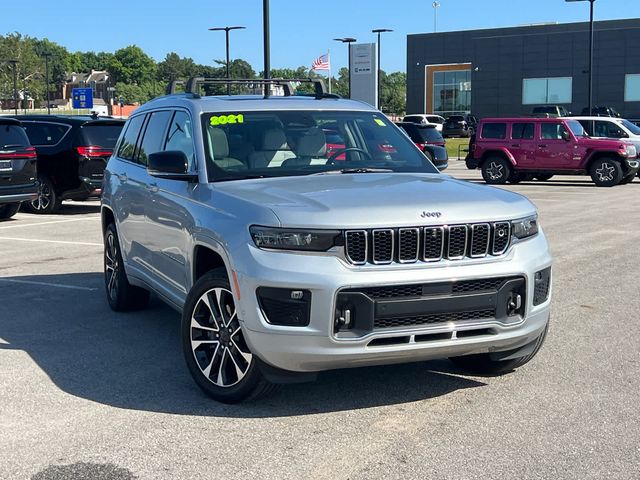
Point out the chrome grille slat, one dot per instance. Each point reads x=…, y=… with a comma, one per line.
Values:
x=383, y=246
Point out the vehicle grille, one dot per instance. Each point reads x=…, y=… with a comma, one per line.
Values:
x=427, y=244
x=433, y=318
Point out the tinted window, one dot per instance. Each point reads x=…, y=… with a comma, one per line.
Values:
x=430, y=135
x=553, y=131
x=154, y=135
x=128, y=145
x=104, y=136
x=435, y=119
x=587, y=125
x=413, y=118
x=45, y=133
x=576, y=128
x=608, y=129
x=632, y=127
x=181, y=137
x=494, y=130
x=522, y=130
x=455, y=118
x=13, y=136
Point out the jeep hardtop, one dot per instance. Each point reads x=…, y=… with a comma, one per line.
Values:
x=515, y=149
x=287, y=258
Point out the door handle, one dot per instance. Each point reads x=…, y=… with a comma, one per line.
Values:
x=122, y=177
x=543, y=145
x=153, y=187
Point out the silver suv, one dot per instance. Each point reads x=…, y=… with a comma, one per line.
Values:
x=288, y=253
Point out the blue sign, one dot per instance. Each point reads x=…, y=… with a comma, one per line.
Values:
x=82, y=97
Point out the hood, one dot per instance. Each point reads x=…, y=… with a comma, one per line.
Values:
x=369, y=200
x=604, y=143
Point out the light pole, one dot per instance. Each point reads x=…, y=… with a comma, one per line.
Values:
x=266, y=45
x=348, y=41
x=46, y=80
x=226, y=31
x=435, y=6
x=379, y=31
x=591, y=2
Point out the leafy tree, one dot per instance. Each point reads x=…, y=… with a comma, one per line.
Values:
x=393, y=98
x=130, y=65
x=174, y=67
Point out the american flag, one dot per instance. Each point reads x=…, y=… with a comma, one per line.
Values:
x=321, y=63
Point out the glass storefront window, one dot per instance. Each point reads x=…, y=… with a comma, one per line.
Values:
x=451, y=92
x=632, y=88
x=541, y=91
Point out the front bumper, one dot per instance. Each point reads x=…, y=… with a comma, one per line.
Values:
x=316, y=347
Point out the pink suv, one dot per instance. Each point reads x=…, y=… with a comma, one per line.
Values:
x=515, y=149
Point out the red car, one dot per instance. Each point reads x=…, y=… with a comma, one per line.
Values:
x=515, y=149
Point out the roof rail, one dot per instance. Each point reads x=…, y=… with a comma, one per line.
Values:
x=194, y=83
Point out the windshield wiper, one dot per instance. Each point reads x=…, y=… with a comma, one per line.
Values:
x=354, y=170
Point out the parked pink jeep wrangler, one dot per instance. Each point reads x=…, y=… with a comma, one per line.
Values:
x=516, y=149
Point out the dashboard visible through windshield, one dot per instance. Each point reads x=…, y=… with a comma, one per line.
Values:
x=242, y=145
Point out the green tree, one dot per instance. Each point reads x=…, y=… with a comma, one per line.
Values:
x=175, y=67
x=130, y=65
x=393, y=98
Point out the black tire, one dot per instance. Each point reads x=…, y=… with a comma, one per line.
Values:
x=627, y=179
x=9, y=210
x=496, y=170
x=47, y=200
x=606, y=172
x=428, y=154
x=121, y=295
x=515, y=177
x=483, y=364
x=543, y=177
x=223, y=367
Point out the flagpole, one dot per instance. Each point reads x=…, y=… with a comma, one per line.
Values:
x=329, y=61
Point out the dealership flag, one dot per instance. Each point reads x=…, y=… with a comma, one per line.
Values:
x=321, y=63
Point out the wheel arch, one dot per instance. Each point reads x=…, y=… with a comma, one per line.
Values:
x=497, y=152
x=207, y=255
x=106, y=217
x=597, y=155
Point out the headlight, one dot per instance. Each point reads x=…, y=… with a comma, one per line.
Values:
x=525, y=227
x=631, y=151
x=294, y=239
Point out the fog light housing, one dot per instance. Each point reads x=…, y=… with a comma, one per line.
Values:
x=541, y=287
x=285, y=306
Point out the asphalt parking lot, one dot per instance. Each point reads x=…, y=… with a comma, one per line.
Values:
x=87, y=393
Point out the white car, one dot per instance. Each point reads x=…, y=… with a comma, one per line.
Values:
x=426, y=119
x=611, y=127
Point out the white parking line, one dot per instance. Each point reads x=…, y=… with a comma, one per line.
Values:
x=47, y=284
x=48, y=223
x=51, y=241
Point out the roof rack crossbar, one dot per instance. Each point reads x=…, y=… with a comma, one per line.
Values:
x=194, y=83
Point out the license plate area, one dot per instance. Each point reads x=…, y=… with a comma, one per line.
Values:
x=5, y=166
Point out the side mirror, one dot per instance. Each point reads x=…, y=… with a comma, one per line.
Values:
x=172, y=165
x=566, y=136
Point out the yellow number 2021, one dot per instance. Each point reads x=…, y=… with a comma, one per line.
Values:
x=224, y=119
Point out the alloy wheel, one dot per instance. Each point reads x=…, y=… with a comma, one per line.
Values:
x=495, y=171
x=605, y=172
x=111, y=266
x=43, y=200
x=217, y=343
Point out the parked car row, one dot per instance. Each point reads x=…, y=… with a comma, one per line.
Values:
x=561, y=111
x=46, y=159
x=454, y=126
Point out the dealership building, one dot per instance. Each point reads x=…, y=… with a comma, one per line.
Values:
x=508, y=71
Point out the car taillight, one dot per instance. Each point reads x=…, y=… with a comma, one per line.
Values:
x=27, y=153
x=386, y=148
x=93, y=151
x=421, y=145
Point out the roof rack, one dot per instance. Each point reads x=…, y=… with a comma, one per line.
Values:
x=194, y=84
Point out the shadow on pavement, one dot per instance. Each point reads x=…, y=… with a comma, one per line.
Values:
x=134, y=360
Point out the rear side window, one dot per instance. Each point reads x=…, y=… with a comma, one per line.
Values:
x=104, y=136
x=429, y=135
x=605, y=128
x=13, y=136
x=128, y=146
x=494, y=130
x=552, y=131
x=154, y=135
x=522, y=131
x=45, y=134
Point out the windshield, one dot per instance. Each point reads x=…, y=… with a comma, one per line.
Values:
x=632, y=127
x=577, y=128
x=284, y=143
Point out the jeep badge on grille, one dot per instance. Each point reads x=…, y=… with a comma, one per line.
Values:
x=431, y=214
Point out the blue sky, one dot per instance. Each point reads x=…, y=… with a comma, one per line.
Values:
x=299, y=33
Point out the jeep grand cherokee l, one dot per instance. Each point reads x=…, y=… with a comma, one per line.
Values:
x=286, y=262
x=515, y=149
x=72, y=153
